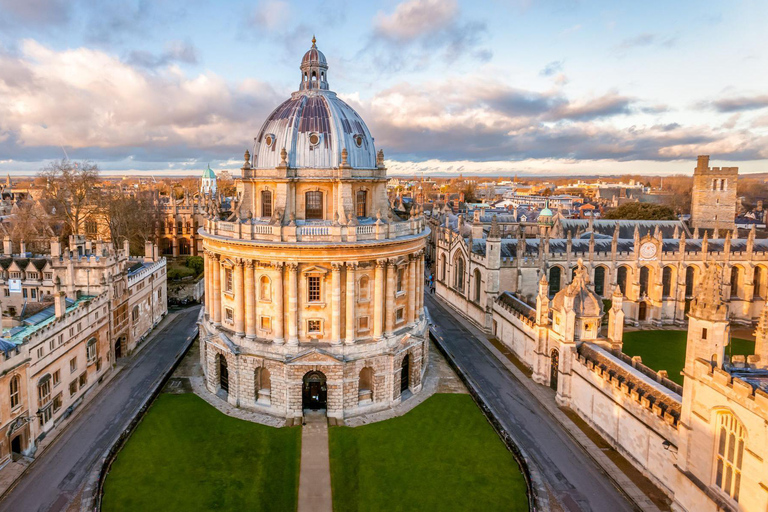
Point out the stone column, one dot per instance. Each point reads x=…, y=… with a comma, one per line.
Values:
x=293, y=304
x=420, y=286
x=378, y=299
x=390, y=300
x=412, y=269
x=250, y=301
x=280, y=320
x=216, y=291
x=349, y=322
x=175, y=246
x=239, y=293
x=207, y=277
x=336, y=303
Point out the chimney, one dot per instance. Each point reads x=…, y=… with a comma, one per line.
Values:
x=55, y=248
x=155, y=252
x=702, y=162
x=127, y=247
x=59, y=299
x=7, y=246
x=148, y=251
x=23, y=248
x=88, y=247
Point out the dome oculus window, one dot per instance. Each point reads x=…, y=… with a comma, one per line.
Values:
x=314, y=139
x=358, y=140
x=269, y=140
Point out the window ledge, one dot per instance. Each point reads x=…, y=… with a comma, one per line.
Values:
x=316, y=304
x=401, y=293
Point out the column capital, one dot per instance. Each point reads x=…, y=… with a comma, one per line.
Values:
x=381, y=263
x=351, y=265
x=250, y=264
x=293, y=267
x=392, y=263
x=336, y=266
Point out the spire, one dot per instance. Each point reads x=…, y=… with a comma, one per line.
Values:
x=494, y=231
x=708, y=303
x=761, y=339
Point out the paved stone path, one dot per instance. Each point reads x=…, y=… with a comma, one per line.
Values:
x=571, y=476
x=315, y=475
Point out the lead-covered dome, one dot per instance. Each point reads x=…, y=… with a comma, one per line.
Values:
x=314, y=126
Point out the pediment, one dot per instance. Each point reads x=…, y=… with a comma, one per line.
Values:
x=314, y=356
x=315, y=269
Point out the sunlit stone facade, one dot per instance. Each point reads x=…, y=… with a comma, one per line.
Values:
x=313, y=285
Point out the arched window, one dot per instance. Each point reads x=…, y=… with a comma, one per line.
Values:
x=735, y=274
x=758, y=280
x=644, y=278
x=554, y=280
x=266, y=203
x=15, y=391
x=363, y=286
x=690, y=276
x=135, y=314
x=400, y=279
x=477, y=281
x=443, y=265
x=458, y=277
x=730, y=452
x=365, y=385
x=600, y=281
x=265, y=289
x=621, y=279
x=313, y=207
x=361, y=207
x=666, y=282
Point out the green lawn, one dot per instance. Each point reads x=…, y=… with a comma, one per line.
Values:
x=665, y=350
x=187, y=456
x=443, y=455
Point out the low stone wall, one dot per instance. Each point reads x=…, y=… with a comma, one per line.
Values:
x=192, y=289
x=460, y=303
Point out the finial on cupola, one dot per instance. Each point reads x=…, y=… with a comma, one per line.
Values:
x=314, y=41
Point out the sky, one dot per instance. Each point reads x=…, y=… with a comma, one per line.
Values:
x=495, y=87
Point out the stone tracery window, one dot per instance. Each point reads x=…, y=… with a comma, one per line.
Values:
x=15, y=391
x=458, y=278
x=730, y=452
x=666, y=282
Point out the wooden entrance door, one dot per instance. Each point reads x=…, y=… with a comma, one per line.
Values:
x=314, y=392
x=223, y=374
x=405, y=374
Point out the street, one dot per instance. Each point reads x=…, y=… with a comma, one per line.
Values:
x=55, y=479
x=575, y=481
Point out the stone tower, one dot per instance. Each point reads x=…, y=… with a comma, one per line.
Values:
x=708, y=328
x=713, y=201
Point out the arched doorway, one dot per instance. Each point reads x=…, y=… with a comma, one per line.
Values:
x=314, y=391
x=223, y=374
x=554, y=358
x=119, y=347
x=642, y=312
x=16, y=447
x=405, y=374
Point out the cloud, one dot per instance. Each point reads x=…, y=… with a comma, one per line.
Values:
x=605, y=106
x=271, y=15
x=35, y=12
x=175, y=51
x=418, y=31
x=646, y=39
x=99, y=107
x=740, y=103
x=415, y=19
x=554, y=67
x=112, y=22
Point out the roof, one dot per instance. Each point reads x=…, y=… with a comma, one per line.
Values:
x=41, y=319
x=209, y=174
x=626, y=227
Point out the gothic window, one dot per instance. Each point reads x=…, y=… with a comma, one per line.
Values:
x=730, y=452
x=360, y=204
x=554, y=280
x=621, y=280
x=600, y=281
x=266, y=203
x=15, y=392
x=313, y=208
x=758, y=280
x=735, y=281
x=690, y=275
x=265, y=292
x=458, y=278
x=443, y=265
x=644, y=278
x=477, y=285
x=313, y=288
x=666, y=282
x=135, y=314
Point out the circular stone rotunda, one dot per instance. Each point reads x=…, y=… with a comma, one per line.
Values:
x=313, y=285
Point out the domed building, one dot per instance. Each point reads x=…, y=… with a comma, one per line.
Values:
x=314, y=286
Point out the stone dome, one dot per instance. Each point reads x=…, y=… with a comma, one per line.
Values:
x=314, y=126
x=578, y=296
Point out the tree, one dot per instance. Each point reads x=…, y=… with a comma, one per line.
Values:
x=70, y=193
x=132, y=216
x=29, y=223
x=469, y=193
x=641, y=211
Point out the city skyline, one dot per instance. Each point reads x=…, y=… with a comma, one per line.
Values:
x=494, y=88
